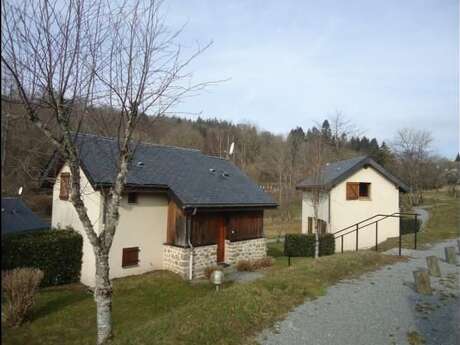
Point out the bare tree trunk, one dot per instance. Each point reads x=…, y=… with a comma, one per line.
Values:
x=315, y=221
x=103, y=298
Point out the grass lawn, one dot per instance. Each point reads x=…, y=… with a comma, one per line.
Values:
x=444, y=222
x=161, y=308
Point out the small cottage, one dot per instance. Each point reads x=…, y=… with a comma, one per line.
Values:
x=352, y=191
x=181, y=211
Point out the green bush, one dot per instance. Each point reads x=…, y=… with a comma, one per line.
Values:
x=299, y=245
x=56, y=252
x=326, y=245
x=406, y=225
x=304, y=245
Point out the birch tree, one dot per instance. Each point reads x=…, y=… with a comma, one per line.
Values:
x=67, y=56
x=316, y=161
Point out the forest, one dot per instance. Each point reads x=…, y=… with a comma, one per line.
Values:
x=275, y=162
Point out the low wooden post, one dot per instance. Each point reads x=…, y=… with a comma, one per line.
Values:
x=422, y=282
x=433, y=266
x=458, y=245
x=451, y=255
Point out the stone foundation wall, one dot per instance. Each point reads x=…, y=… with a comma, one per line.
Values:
x=176, y=259
x=245, y=250
x=203, y=257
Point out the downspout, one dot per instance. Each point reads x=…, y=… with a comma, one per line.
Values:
x=189, y=239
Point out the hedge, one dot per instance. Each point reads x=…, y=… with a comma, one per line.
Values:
x=304, y=245
x=57, y=253
x=406, y=225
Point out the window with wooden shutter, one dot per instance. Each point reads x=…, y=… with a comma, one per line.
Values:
x=310, y=225
x=64, y=186
x=130, y=257
x=352, y=190
x=132, y=198
x=364, y=190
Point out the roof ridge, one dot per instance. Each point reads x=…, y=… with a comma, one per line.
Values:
x=140, y=142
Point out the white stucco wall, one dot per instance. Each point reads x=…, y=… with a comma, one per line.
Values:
x=64, y=215
x=307, y=210
x=141, y=225
x=384, y=199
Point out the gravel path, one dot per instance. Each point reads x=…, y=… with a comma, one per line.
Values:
x=379, y=308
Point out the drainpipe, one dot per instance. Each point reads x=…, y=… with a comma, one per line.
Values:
x=189, y=238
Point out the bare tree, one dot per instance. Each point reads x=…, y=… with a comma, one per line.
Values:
x=316, y=160
x=413, y=151
x=65, y=56
x=341, y=129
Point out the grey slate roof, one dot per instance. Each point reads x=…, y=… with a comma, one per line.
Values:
x=334, y=173
x=17, y=217
x=185, y=172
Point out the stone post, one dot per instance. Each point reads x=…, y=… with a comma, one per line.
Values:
x=422, y=282
x=433, y=266
x=451, y=255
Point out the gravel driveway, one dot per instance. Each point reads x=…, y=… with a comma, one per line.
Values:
x=380, y=308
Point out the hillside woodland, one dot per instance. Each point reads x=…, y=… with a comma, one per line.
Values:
x=275, y=162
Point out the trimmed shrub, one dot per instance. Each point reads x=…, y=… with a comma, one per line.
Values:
x=19, y=287
x=299, y=245
x=304, y=245
x=56, y=252
x=326, y=245
x=406, y=225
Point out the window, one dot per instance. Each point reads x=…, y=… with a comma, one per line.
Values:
x=130, y=257
x=132, y=198
x=310, y=225
x=358, y=190
x=364, y=190
x=64, y=187
x=321, y=225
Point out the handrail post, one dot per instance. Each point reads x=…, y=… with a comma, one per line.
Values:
x=341, y=237
x=400, y=240
x=356, y=237
x=376, y=236
x=415, y=231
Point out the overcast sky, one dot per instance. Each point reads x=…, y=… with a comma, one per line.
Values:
x=385, y=64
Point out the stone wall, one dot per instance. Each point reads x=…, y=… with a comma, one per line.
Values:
x=176, y=259
x=245, y=250
x=204, y=256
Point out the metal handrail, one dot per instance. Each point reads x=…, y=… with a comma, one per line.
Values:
x=385, y=216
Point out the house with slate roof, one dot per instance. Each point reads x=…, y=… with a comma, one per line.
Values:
x=18, y=218
x=181, y=211
x=351, y=191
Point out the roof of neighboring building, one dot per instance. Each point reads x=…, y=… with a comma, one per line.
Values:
x=195, y=179
x=336, y=172
x=17, y=217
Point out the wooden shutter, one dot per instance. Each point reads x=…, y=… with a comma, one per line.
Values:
x=310, y=225
x=352, y=190
x=64, y=186
x=130, y=257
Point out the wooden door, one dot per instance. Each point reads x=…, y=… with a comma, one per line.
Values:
x=221, y=241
